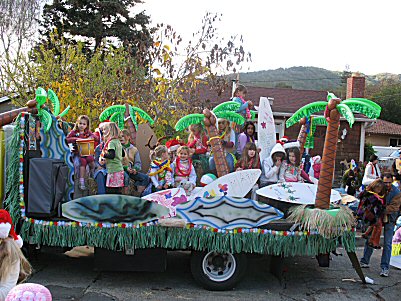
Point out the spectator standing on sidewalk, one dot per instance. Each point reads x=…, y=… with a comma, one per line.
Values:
x=388, y=232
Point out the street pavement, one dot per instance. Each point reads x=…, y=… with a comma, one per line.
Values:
x=74, y=279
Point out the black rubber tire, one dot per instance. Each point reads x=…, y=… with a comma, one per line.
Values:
x=210, y=284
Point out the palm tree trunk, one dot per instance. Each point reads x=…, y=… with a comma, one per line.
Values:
x=8, y=117
x=302, y=136
x=322, y=200
x=215, y=142
x=130, y=124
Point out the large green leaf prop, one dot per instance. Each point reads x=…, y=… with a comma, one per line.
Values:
x=116, y=114
x=231, y=116
x=232, y=106
x=346, y=112
x=306, y=111
x=362, y=107
x=188, y=120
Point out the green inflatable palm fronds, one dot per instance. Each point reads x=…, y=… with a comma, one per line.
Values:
x=145, y=116
x=63, y=113
x=40, y=96
x=186, y=121
x=45, y=119
x=118, y=118
x=306, y=111
x=231, y=106
x=319, y=120
x=367, y=101
x=346, y=112
x=330, y=96
x=110, y=111
x=363, y=108
x=231, y=116
x=253, y=114
x=55, y=101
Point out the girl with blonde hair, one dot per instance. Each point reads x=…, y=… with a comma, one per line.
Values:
x=113, y=153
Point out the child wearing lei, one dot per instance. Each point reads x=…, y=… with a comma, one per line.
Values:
x=160, y=170
x=184, y=171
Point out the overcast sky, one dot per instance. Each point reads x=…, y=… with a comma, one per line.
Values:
x=363, y=34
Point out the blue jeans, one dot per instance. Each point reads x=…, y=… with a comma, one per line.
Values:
x=100, y=178
x=230, y=162
x=388, y=233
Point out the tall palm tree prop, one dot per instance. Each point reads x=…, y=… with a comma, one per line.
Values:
x=121, y=113
x=45, y=117
x=333, y=109
x=209, y=120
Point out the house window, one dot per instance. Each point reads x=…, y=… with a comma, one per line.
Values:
x=395, y=142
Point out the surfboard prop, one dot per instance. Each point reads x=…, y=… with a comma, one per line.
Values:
x=266, y=128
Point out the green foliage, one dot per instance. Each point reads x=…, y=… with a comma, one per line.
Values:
x=306, y=111
x=368, y=151
x=388, y=96
x=95, y=22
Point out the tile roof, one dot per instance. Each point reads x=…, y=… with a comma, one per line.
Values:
x=384, y=127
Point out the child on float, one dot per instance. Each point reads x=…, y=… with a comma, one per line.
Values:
x=197, y=141
x=132, y=163
x=248, y=135
x=81, y=131
x=314, y=171
x=272, y=166
x=245, y=105
x=291, y=171
x=101, y=169
x=227, y=137
x=249, y=159
x=160, y=169
x=371, y=209
x=113, y=153
x=14, y=267
x=183, y=170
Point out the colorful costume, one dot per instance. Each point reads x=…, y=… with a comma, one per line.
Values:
x=183, y=171
x=290, y=173
x=161, y=173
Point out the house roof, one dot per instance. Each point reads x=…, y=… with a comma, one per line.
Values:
x=384, y=127
x=285, y=100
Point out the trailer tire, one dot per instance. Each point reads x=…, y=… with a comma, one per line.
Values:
x=218, y=271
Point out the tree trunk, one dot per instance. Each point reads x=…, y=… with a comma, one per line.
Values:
x=322, y=200
x=130, y=124
x=302, y=137
x=8, y=117
x=215, y=142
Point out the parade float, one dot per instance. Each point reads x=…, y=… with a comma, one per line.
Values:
x=218, y=223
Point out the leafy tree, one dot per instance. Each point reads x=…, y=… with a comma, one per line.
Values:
x=17, y=27
x=95, y=21
x=163, y=79
x=388, y=95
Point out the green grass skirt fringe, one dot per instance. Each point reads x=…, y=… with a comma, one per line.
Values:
x=183, y=239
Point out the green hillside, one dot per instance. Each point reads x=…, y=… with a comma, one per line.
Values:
x=305, y=78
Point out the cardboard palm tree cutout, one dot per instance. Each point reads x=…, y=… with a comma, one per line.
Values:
x=132, y=115
x=333, y=109
x=209, y=120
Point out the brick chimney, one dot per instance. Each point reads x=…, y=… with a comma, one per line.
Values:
x=356, y=86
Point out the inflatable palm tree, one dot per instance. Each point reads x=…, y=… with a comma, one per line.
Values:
x=121, y=113
x=333, y=109
x=209, y=120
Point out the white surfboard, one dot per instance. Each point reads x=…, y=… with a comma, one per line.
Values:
x=296, y=193
x=235, y=184
x=266, y=128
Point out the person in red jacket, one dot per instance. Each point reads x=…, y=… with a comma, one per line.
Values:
x=197, y=141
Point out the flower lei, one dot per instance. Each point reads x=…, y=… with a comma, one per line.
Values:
x=180, y=172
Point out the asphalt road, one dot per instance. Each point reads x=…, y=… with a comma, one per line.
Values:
x=74, y=279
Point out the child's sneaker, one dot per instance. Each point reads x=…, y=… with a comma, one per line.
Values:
x=364, y=265
x=384, y=272
x=82, y=186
